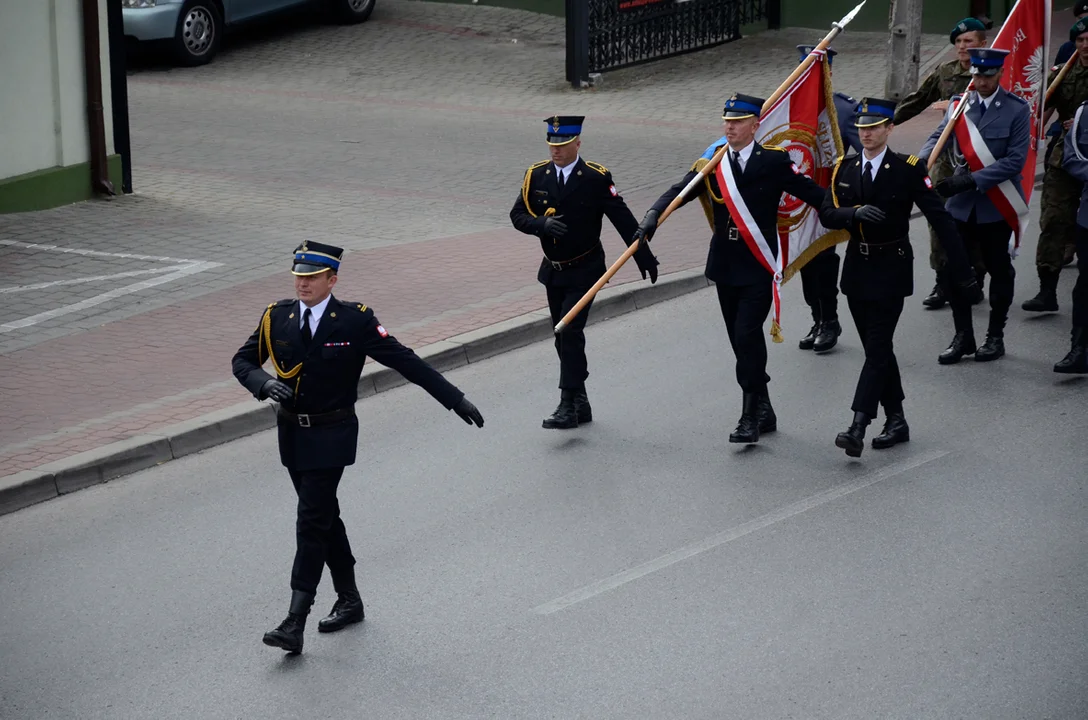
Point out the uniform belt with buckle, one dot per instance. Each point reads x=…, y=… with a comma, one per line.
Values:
x=317, y=419
x=868, y=248
x=563, y=264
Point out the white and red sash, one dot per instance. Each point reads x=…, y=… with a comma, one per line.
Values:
x=753, y=238
x=1005, y=196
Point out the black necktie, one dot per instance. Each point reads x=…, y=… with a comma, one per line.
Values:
x=981, y=109
x=307, y=336
x=559, y=177
x=737, y=169
x=867, y=180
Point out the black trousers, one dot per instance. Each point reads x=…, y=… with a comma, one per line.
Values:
x=745, y=309
x=1080, y=290
x=319, y=532
x=880, y=381
x=820, y=285
x=570, y=344
x=992, y=240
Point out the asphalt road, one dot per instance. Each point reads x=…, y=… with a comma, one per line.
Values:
x=640, y=567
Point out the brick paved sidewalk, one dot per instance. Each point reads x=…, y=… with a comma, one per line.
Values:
x=403, y=140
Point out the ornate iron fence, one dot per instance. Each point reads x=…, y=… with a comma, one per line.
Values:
x=610, y=34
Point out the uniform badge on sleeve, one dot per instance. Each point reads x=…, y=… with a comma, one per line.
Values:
x=796, y=170
x=382, y=332
x=928, y=182
x=612, y=189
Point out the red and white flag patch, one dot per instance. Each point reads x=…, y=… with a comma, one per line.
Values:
x=928, y=182
x=796, y=170
x=612, y=189
x=382, y=332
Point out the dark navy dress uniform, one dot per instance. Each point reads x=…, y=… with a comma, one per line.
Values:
x=1004, y=122
x=318, y=373
x=878, y=269
x=574, y=260
x=1075, y=162
x=743, y=284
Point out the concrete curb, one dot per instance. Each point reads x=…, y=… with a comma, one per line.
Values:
x=140, y=452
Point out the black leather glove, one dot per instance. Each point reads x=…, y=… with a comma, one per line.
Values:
x=969, y=290
x=555, y=227
x=869, y=213
x=468, y=412
x=277, y=390
x=955, y=185
x=647, y=227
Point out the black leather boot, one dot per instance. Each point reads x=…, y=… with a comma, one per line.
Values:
x=748, y=428
x=581, y=406
x=809, y=340
x=853, y=440
x=768, y=421
x=895, y=431
x=288, y=635
x=1047, y=299
x=992, y=349
x=347, y=610
x=1076, y=361
x=828, y=336
x=935, y=300
x=565, y=416
x=962, y=344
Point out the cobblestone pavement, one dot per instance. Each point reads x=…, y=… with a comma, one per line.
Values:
x=403, y=140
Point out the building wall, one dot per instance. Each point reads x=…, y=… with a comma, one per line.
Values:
x=937, y=17
x=43, y=99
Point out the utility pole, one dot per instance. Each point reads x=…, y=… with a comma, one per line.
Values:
x=904, y=48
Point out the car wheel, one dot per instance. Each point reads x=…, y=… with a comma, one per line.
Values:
x=199, y=32
x=352, y=11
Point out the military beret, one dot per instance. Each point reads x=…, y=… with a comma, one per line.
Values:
x=966, y=25
x=1079, y=28
x=1080, y=8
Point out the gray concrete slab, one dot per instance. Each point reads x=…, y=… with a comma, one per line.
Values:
x=944, y=578
x=26, y=488
x=107, y=462
x=218, y=427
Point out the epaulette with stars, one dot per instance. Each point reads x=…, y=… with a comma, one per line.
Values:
x=597, y=166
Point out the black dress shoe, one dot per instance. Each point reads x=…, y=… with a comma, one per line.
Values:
x=853, y=440
x=895, y=431
x=565, y=416
x=992, y=349
x=748, y=428
x=768, y=421
x=935, y=300
x=1076, y=361
x=962, y=344
x=828, y=336
x=288, y=635
x=809, y=340
x=347, y=610
x=581, y=406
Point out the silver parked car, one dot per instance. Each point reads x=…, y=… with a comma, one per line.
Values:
x=194, y=28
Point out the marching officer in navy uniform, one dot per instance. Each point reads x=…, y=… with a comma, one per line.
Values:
x=317, y=346
x=1004, y=122
x=820, y=275
x=871, y=195
x=1075, y=162
x=563, y=201
x=744, y=285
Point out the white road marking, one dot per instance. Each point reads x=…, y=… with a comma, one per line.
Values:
x=109, y=295
x=95, y=278
x=92, y=253
x=777, y=516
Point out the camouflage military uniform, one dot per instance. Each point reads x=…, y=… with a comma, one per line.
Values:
x=1061, y=191
x=947, y=80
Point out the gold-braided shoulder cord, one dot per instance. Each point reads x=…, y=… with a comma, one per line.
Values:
x=834, y=176
x=265, y=339
x=525, y=190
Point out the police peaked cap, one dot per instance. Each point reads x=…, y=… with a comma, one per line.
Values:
x=987, y=61
x=740, y=106
x=563, y=129
x=871, y=112
x=966, y=25
x=312, y=258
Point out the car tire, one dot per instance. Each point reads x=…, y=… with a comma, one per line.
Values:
x=351, y=12
x=199, y=33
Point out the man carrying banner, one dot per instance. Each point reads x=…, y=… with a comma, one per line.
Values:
x=743, y=195
x=986, y=198
x=872, y=196
x=1061, y=191
x=820, y=275
x=936, y=90
x=1076, y=164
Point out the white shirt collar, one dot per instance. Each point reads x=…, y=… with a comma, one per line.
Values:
x=316, y=311
x=877, y=161
x=987, y=101
x=745, y=153
x=567, y=170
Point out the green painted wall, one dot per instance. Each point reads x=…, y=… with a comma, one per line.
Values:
x=53, y=187
x=937, y=17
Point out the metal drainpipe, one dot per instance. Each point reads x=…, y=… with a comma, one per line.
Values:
x=92, y=69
